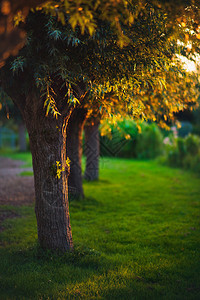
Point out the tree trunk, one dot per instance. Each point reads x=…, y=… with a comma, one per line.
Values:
x=48, y=147
x=74, y=152
x=92, y=151
x=22, y=137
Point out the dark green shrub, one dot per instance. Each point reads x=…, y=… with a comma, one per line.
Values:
x=188, y=162
x=192, y=143
x=185, y=153
x=182, y=150
x=192, y=163
x=196, y=129
x=196, y=164
x=124, y=140
x=149, y=144
x=118, y=139
x=173, y=158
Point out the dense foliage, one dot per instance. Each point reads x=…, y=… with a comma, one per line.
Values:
x=125, y=139
x=84, y=14
x=184, y=153
x=74, y=64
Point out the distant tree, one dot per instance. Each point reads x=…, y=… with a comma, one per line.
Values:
x=92, y=148
x=74, y=151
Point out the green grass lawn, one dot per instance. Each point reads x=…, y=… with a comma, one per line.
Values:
x=136, y=236
x=23, y=156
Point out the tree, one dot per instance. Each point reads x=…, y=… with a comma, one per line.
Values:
x=92, y=149
x=98, y=63
x=181, y=93
x=48, y=71
x=74, y=151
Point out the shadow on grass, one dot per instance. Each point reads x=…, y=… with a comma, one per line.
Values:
x=30, y=271
x=97, y=182
x=24, y=272
x=84, y=203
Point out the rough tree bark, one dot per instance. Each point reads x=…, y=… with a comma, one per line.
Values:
x=48, y=146
x=22, y=136
x=92, y=150
x=74, y=151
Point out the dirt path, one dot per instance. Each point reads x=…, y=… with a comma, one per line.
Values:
x=15, y=189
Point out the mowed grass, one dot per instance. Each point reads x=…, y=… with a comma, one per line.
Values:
x=136, y=236
x=23, y=156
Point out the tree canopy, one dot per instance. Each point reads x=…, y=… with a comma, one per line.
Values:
x=85, y=14
x=56, y=53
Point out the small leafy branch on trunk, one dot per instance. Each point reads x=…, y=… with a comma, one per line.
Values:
x=57, y=168
x=50, y=102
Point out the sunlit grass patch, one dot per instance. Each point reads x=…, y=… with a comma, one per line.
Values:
x=26, y=173
x=23, y=156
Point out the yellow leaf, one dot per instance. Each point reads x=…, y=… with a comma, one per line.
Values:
x=198, y=36
x=187, y=37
